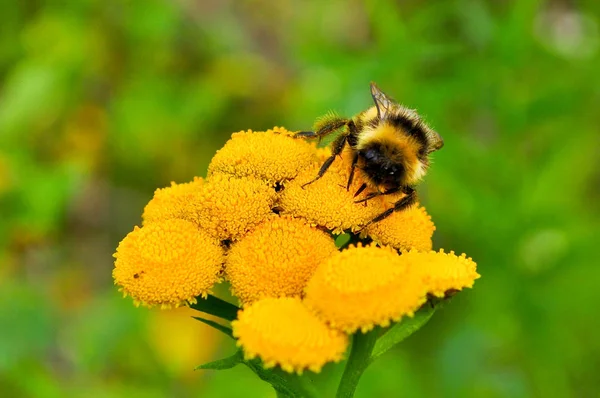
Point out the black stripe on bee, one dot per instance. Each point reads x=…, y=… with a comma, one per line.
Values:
x=413, y=128
x=373, y=123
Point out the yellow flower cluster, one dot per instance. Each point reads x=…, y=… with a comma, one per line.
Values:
x=253, y=222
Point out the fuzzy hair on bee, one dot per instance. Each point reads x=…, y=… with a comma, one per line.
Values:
x=390, y=146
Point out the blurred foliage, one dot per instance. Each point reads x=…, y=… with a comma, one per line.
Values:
x=101, y=102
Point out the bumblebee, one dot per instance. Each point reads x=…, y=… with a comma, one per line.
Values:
x=390, y=145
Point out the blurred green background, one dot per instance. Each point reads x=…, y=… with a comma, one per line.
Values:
x=101, y=102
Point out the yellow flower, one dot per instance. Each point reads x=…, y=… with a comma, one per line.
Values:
x=361, y=287
x=442, y=272
x=273, y=155
x=233, y=206
x=224, y=206
x=408, y=229
x=276, y=259
x=177, y=201
x=282, y=331
x=326, y=202
x=167, y=263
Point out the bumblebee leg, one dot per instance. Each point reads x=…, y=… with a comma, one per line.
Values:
x=359, y=190
x=337, y=146
x=375, y=194
x=352, y=167
x=307, y=134
x=326, y=128
x=408, y=200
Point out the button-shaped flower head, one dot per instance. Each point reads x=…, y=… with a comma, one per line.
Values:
x=411, y=228
x=273, y=155
x=277, y=259
x=441, y=272
x=224, y=206
x=282, y=331
x=362, y=287
x=167, y=263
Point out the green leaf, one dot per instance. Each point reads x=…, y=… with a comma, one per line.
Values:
x=346, y=239
x=401, y=330
x=218, y=326
x=275, y=380
x=215, y=306
x=225, y=363
x=342, y=240
x=285, y=384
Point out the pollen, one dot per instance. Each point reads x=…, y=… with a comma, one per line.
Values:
x=442, y=273
x=167, y=263
x=327, y=202
x=224, y=206
x=273, y=155
x=361, y=287
x=276, y=259
x=282, y=331
x=404, y=230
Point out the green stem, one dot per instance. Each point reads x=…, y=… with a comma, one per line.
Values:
x=362, y=346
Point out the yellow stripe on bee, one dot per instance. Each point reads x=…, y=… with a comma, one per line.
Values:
x=370, y=114
x=389, y=136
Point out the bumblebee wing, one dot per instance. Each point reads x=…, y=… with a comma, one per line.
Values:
x=383, y=103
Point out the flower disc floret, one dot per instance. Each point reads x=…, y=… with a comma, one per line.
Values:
x=176, y=201
x=326, y=202
x=167, y=263
x=442, y=272
x=225, y=207
x=282, y=331
x=361, y=287
x=411, y=228
x=276, y=259
x=273, y=155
